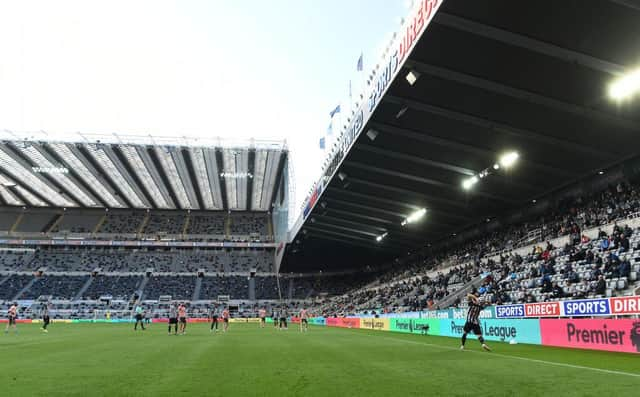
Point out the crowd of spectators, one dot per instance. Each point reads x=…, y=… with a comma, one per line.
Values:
x=131, y=224
x=118, y=287
x=13, y=284
x=583, y=268
x=83, y=259
x=178, y=287
x=58, y=287
x=236, y=287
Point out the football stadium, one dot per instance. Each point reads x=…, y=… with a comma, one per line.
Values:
x=472, y=229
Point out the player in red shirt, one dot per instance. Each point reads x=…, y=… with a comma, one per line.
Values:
x=263, y=317
x=225, y=319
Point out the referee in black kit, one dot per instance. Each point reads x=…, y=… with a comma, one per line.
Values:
x=473, y=322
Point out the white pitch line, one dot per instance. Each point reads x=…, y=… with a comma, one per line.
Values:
x=606, y=371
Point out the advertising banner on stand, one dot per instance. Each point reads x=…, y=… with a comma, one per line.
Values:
x=343, y=322
x=377, y=324
x=423, y=326
x=521, y=331
x=317, y=321
x=599, y=334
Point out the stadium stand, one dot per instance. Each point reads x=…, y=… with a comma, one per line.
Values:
x=122, y=222
x=58, y=287
x=118, y=287
x=178, y=287
x=12, y=285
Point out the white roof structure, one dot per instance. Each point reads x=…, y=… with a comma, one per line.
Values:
x=124, y=171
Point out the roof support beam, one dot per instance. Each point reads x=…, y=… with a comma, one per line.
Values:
x=17, y=156
x=155, y=175
x=435, y=140
x=108, y=150
x=633, y=4
x=323, y=236
x=20, y=197
x=374, y=198
x=184, y=178
x=378, y=229
x=358, y=215
x=415, y=159
x=52, y=181
x=527, y=96
x=147, y=196
x=368, y=208
x=251, y=170
x=101, y=175
x=163, y=175
x=407, y=191
x=214, y=177
x=517, y=132
x=517, y=40
x=349, y=236
x=346, y=229
x=419, y=179
x=192, y=175
x=26, y=187
x=280, y=174
x=73, y=175
x=223, y=187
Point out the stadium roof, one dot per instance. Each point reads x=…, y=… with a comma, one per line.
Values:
x=490, y=77
x=116, y=171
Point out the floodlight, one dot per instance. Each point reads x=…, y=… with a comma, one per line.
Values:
x=626, y=86
x=469, y=182
x=412, y=77
x=381, y=237
x=415, y=216
x=496, y=166
x=507, y=160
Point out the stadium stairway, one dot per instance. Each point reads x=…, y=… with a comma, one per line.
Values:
x=460, y=293
x=143, y=284
x=5, y=278
x=25, y=289
x=83, y=289
x=290, y=289
x=196, y=289
x=252, y=288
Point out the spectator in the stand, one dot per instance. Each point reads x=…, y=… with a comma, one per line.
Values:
x=624, y=243
x=584, y=239
x=595, y=272
x=604, y=244
x=624, y=269
x=602, y=234
x=572, y=277
x=557, y=292
x=601, y=286
x=546, y=285
x=589, y=257
x=582, y=290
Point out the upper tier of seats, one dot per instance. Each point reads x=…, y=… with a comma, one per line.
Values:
x=131, y=224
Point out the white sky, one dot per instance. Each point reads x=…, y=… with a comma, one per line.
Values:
x=250, y=68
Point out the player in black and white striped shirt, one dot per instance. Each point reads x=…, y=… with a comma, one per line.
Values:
x=473, y=322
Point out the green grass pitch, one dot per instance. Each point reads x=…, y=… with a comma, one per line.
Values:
x=113, y=360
